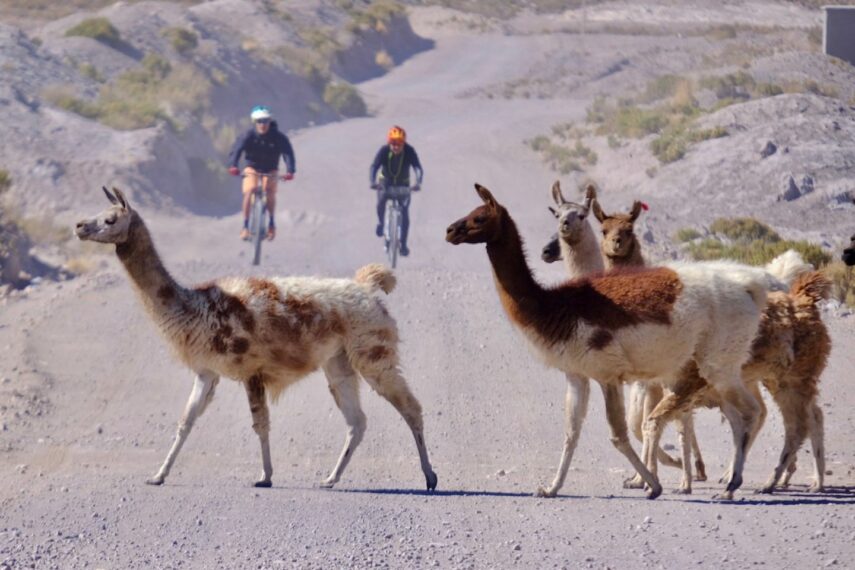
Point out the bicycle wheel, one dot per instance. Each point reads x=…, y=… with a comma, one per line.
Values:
x=392, y=223
x=257, y=228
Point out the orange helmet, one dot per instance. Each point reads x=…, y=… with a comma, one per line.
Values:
x=396, y=133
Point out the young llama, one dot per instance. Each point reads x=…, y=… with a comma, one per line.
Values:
x=621, y=248
x=647, y=324
x=267, y=334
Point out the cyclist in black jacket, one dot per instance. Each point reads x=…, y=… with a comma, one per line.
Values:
x=262, y=145
x=394, y=161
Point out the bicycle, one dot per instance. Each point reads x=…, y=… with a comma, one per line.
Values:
x=396, y=195
x=257, y=207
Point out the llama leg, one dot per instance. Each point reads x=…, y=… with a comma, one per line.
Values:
x=796, y=427
x=575, y=409
x=391, y=385
x=616, y=415
x=816, y=429
x=639, y=395
x=652, y=395
x=200, y=396
x=344, y=386
x=788, y=474
x=700, y=467
x=684, y=431
x=741, y=410
x=255, y=392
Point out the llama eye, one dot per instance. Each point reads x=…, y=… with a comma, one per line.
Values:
x=480, y=219
x=581, y=216
x=110, y=221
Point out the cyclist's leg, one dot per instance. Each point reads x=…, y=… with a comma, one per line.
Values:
x=405, y=220
x=270, y=188
x=247, y=186
x=381, y=210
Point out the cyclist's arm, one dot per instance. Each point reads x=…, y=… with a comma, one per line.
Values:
x=288, y=155
x=375, y=166
x=417, y=167
x=237, y=150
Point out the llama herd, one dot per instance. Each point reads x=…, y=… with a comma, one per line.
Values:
x=684, y=334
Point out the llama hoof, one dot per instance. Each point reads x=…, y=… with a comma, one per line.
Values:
x=701, y=477
x=683, y=491
x=156, y=481
x=700, y=471
x=264, y=484
x=544, y=493
x=735, y=483
x=725, y=497
x=431, y=480
x=765, y=490
x=654, y=492
x=816, y=488
x=327, y=484
x=634, y=483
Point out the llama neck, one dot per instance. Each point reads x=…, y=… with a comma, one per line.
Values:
x=582, y=258
x=632, y=259
x=158, y=290
x=520, y=294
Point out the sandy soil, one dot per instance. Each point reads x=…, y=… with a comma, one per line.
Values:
x=92, y=393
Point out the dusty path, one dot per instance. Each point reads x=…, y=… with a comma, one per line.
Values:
x=109, y=393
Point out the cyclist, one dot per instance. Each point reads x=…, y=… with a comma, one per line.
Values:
x=262, y=145
x=394, y=161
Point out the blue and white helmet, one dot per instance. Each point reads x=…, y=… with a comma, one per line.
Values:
x=260, y=112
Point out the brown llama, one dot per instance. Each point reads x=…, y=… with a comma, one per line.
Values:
x=848, y=256
x=267, y=334
x=654, y=325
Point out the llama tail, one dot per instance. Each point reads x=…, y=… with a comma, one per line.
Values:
x=810, y=288
x=376, y=277
x=787, y=267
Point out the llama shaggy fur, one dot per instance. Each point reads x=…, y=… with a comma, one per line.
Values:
x=267, y=334
x=647, y=324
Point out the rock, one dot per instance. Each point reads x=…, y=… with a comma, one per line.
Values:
x=768, y=150
x=807, y=184
x=791, y=192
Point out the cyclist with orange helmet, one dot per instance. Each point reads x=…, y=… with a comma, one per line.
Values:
x=394, y=161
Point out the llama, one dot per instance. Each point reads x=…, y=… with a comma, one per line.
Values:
x=267, y=334
x=649, y=324
x=621, y=248
x=848, y=256
x=788, y=357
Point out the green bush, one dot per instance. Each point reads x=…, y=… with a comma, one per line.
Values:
x=100, y=29
x=90, y=71
x=561, y=158
x=5, y=180
x=753, y=242
x=674, y=142
x=843, y=282
x=345, y=99
x=182, y=40
x=684, y=235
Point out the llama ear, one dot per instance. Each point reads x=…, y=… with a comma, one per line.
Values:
x=557, y=196
x=485, y=195
x=122, y=200
x=554, y=212
x=590, y=195
x=598, y=212
x=636, y=211
x=110, y=197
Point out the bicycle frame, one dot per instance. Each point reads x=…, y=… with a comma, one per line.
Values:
x=392, y=227
x=258, y=205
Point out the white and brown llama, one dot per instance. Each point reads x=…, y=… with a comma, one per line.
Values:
x=267, y=334
x=653, y=324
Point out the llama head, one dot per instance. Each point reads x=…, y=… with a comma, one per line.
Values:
x=618, y=230
x=551, y=252
x=572, y=217
x=111, y=225
x=849, y=253
x=482, y=225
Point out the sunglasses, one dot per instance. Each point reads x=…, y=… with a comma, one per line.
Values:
x=262, y=121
